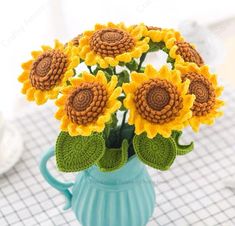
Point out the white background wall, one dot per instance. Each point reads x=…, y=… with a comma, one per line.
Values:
x=26, y=24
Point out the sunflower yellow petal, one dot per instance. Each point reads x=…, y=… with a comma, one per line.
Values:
x=219, y=90
x=138, y=77
x=26, y=86
x=111, y=61
x=102, y=63
x=27, y=65
x=59, y=114
x=172, y=52
x=112, y=84
x=40, y=97
x=88, y=77
x=194, y=124
x=61, y=101
x=45, y=47
x=36, y=54
x=128, y=88
x=30, y=94
x=116, y=93
x=150, y=71
x=76, y=81
x=23, y=77
x=74, y=63
x=90, y=59
x=125, y=57
x=58, y=45
x=101, y=77
x=64, y=123
x=99, y=27
x=72, y=129
x=139, y=125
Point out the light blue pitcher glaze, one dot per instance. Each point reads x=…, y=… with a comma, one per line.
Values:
x=124, y=197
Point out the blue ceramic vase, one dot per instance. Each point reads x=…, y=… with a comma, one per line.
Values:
x=124, y=197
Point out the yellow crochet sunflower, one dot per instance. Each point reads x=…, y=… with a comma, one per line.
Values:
x=88, y=103
x=183, y=51
x=158, y=101
x=45, y=75
x=204, y=86
x=166, y=35
x=107, y=45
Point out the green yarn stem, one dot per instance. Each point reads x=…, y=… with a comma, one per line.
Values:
x=89, y=68
x=122, y=125
x=158, y=152
x=78, y=153
x=114, y=158
x=181, y=149
x=114, y=71
x=142, y=58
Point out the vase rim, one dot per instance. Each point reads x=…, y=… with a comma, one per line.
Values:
x=124, y=175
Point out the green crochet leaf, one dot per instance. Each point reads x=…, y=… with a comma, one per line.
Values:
x=158, y=152
x=181, y=149
x=78, y=153
x=114, y=158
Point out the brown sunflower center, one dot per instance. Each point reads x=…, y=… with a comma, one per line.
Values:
x=158, y=101
x=111, y=42
x=48, y=69
x=43, y=67
x=202, y=88
x=111, y=36
x=82, y=99
x=86, y=103
x=188, y=53
x=157, y=98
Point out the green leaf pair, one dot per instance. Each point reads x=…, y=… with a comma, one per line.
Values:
x=160, y=152
x=74, y=154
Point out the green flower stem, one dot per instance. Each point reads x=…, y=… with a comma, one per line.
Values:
x=114, y=71
x=122, y=125
x=89, y=67
x=107, y=132
x=142, y=58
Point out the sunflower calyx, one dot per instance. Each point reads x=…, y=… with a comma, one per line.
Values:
x=158, y=152
x=114, y=158
x=78, y=153
x=181, y=149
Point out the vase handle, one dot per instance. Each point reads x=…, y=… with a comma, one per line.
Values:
x=60, y=186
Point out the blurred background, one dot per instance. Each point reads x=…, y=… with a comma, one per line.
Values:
x=26, y=25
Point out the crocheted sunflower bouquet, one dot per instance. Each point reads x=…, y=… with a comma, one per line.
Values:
x=120, y=105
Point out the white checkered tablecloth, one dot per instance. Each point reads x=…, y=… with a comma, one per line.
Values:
x=192, y=193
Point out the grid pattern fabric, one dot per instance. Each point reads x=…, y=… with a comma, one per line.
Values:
x=192, y=193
